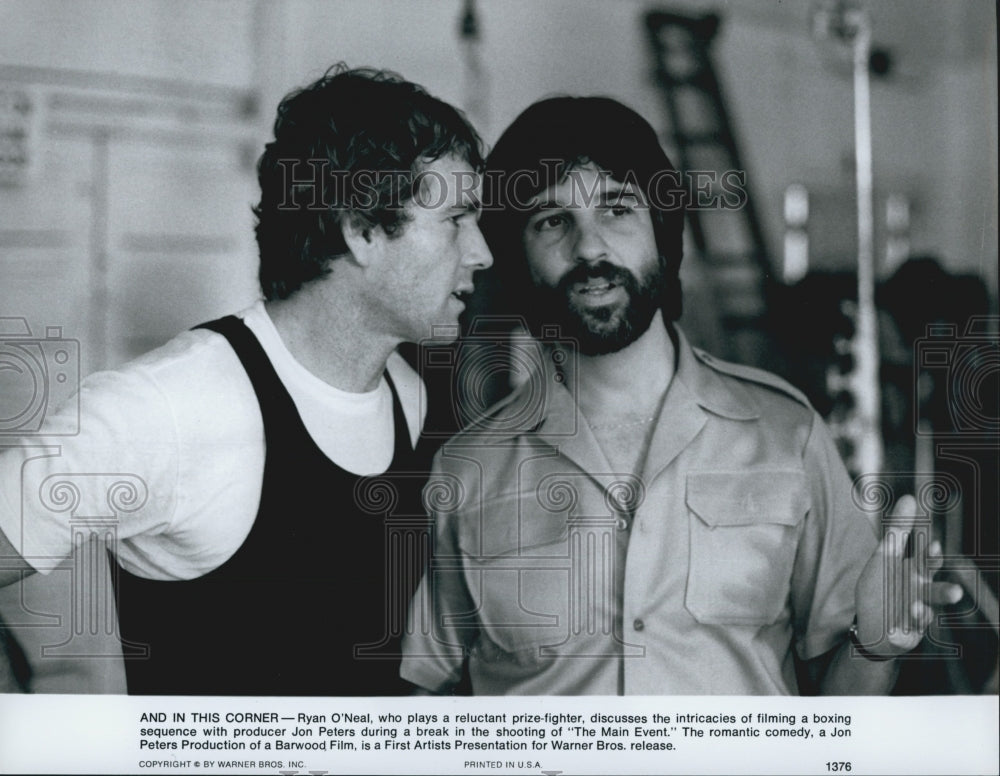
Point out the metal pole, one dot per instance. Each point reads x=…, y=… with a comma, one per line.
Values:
x=869, y=452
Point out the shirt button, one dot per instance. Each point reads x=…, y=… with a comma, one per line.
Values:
x=638, y=624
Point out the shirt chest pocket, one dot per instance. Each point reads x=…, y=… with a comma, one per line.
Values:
x=519, y=578
x=744, y=531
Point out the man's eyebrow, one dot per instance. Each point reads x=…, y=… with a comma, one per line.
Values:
x=619, y=194
x=607, y=197
x=543, y=204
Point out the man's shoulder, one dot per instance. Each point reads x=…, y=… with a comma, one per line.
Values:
x=195, y=380
x=489, y=447
x=759, y=381
x=518, y=413
x=193, y=360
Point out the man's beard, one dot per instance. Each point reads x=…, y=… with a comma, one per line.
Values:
x=604, y=329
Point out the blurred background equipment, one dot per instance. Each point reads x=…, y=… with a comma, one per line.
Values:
x=849, y=24
x=848, y=342
x=475, y=78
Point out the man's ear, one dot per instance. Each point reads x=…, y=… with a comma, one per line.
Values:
x=363, y=240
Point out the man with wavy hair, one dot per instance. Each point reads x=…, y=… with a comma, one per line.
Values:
x=639, y=517
x=251, y=563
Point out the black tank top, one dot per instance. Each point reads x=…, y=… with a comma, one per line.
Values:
x=314, y=601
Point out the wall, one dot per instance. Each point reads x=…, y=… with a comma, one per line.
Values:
x=134, y=222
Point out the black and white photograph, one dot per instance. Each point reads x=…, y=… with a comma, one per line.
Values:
x=499, y=386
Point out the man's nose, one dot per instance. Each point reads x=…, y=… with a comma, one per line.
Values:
x=590, y=245
x=478, y=253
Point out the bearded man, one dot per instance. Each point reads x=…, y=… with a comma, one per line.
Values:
x=638, y=517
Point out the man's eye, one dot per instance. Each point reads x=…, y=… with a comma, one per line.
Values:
x=549, y=222
x=620, y=210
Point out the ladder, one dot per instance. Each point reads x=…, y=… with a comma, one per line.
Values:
x=730, y=242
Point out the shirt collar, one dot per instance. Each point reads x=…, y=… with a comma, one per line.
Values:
x=697, y=370
x=545, y=404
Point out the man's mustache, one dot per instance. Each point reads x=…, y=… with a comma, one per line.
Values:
x=603, y=270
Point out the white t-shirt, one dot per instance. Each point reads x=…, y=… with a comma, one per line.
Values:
x=182, y=427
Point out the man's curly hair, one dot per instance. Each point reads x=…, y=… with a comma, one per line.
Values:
x=348, y=146
x=551, y=138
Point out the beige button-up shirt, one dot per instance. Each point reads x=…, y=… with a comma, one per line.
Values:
x=553, y=574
